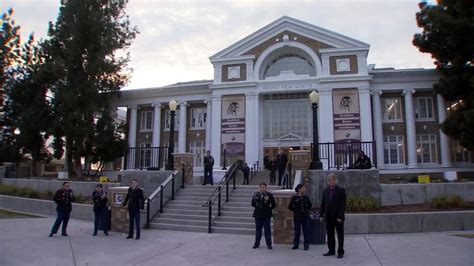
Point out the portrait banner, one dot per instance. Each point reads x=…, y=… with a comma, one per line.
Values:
x=346, y=115
x=233, y=125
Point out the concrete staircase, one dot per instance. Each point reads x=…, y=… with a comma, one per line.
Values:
x=186, y=212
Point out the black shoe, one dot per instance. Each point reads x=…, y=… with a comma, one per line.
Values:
x=137, y=237
x=129, y=236
x=340, y=256
x=255, y=246
x=51, y=235
x=94, y=234
x=329, y=254
x=64, y=234
x=105, y=233
x=306, y=248
x=270, y=247
x=294, y=247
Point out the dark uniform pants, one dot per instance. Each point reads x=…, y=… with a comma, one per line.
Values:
x=63, y=217
x=246, y=180
x=100, y=219
x=208, y=176
x=298, y=223
x=134, y=216
x=265, y=223
x=330, y=226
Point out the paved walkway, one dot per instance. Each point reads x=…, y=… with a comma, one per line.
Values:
x=25, y=242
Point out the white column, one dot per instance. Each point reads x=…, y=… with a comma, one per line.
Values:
x=132, y=132
x=182, y=128
x=251, y=128
x=132, y=136
x=208, y=125
x=410, y=126
x=325, y=116
x=443, y=139
x=216, y=130
x=378, y=130
x=365, y=112
x=156, y=137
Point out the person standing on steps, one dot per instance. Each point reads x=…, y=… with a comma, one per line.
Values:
x=63, y=198
x=300, y=205
x=246, y=172
x=281, y=161
x=136, y=202
x=333, y=208
x=208, y=165
x=263, y=202
x=99, y=196
x=272, y=167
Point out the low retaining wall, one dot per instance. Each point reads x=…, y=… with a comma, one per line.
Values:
x=399, y=194
x=148, y=180
x=79, y=187
x=409, y=222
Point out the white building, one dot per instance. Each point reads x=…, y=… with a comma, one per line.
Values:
x=258, y=102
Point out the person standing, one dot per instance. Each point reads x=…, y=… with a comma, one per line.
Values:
x=281, y=161
x=246, y=172
x=300, y=205
x=333, y=208
x=266, y=161
x=99, y=196
x=136, y=202
x=263, y=202
x=63, y=198
x=272, y=167
x=208, y=165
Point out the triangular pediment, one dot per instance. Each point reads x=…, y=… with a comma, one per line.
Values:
x=296, y=30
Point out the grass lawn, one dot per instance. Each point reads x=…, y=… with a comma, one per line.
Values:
x=9, y=215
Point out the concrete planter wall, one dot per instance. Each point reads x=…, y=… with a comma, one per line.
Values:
x=79, y=188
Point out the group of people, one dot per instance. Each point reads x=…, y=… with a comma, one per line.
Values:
x=331, y=211
x=277, y=164
x=134, y=200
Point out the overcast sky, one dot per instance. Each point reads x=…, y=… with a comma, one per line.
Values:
x=177, y=37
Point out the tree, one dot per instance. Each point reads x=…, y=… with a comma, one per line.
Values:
x=9, y=54
x=83, y=55
x=448, y=34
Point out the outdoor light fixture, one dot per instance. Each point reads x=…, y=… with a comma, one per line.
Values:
x=17, y=131
x=170, y=164
x=315, y=163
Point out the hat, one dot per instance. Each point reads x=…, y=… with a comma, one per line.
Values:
x=99, y=185
x=297, y=189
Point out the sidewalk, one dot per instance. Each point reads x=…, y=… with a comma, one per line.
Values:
x=26, y=242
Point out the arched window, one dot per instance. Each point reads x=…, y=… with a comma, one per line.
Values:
x=289, y=64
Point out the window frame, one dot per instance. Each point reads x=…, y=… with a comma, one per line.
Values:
x=400, y=148
x=145, y=115
x=416, y=102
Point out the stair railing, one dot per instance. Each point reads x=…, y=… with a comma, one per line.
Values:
x=153, y=209
x=216, y=195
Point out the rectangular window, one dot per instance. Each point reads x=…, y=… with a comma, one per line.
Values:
x=146, y=122
x=423, y=108
x=391, y=109
x=459, y=153
x=198, y=148
x=145, y=155
x=394, y=149
x=168, y=119
x=198, y=118
x=426, y=151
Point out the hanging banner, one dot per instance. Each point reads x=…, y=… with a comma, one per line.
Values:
x=346, y=115
x=233, y=125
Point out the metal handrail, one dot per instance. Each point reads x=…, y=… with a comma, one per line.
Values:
x=159, y=192
x=216, y=194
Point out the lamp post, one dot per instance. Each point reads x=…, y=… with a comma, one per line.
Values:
x=315, y=163
x=170, y=164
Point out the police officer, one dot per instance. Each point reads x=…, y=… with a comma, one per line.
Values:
x=99, y=196
x=246, y=172
x=300, y=205
x=63, y=198
x=264, y=203
x=136, y=202
x=208, y=165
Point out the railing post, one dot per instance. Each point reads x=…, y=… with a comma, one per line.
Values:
x=226, y=191
x=210, y=217
x=219, y=203
x=161, y=199
x=172, y=188
x=233, y=177
x=148, y=213
x=183, y=173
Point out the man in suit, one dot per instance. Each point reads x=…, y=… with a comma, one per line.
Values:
x=281, y=161
x=208, y=165
x=333, y=207
x=136, y=202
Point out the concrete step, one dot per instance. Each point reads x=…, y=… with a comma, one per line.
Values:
x=175, y=227
x=235, y=231
x=180, y=222
x=233, y=224
x=183, y=216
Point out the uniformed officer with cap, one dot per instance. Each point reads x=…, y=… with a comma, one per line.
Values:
x=263, y=202
x=99, y=196
x=300, y=204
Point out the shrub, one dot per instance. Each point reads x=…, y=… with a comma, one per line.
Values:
x=361, y=204
x=448, y=201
